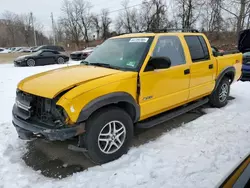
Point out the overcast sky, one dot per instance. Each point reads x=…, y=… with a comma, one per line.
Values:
x=42, y=8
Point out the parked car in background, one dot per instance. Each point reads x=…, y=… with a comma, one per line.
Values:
x=28, y=49
x=4, y=51
x=49, y=47
x=41, y=57
x=81, y=55
x=24, y=50
x=17, y=49
x=246, y=67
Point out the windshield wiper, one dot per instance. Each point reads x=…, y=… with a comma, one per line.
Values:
x=85, y=62
x=104, y=65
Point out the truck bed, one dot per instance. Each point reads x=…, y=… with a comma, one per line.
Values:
x=230, y=59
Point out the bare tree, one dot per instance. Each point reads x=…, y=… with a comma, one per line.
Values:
x=239, y=9
x=105, y=21
x=215, y=20
x=82, y=10
x=25, y=27
x=70, y=21
x=158, y=17
x=119, y=25
x=95, y=19
x=189, y=11
x=10, y=21
x=126, y=17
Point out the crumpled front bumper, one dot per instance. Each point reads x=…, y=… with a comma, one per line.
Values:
x=28, y=130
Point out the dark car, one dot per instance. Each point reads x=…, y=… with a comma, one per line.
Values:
x=244, y=47
x=246, y=67
x=81, y=55
x=49, y=47
x=42, y=57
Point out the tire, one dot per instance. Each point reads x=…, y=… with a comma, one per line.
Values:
x=31, y=62
x=219, y=98
x=102, y=147
x=60, y=60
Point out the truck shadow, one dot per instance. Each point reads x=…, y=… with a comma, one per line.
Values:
x=55, y=160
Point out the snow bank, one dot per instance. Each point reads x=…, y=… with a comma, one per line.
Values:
x=197, y=154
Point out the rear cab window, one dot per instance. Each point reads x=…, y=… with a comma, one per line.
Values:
x=198, y=48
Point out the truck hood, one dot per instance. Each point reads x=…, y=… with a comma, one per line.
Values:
x=244, y=41
x=50, y=84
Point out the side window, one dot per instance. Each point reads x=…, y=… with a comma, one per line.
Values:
x=204, y=46
x=171, y=47
x=47, y=53
x=1, y=50
x=198, y=48
x=50, y=47
x=55, y=52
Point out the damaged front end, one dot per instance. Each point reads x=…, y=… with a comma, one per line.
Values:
x=39, y=117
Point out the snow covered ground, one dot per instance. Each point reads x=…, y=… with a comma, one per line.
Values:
x=197, y=154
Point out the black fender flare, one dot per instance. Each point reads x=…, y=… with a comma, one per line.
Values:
x=225, y=71
x=112, y=98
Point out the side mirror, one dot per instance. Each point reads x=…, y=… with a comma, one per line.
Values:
x=158, y=63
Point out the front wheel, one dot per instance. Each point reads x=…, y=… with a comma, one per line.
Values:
x=219, y=98
x=31, y=62
x=108, y=136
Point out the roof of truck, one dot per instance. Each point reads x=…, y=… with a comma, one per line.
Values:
x=154, y=34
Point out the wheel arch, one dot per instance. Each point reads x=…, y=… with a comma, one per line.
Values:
x=228, y=72
x=122, y=100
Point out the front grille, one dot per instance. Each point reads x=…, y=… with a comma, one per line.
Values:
x=40, y=109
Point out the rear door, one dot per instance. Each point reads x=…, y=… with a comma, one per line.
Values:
x=163, y=89
x=202, y=67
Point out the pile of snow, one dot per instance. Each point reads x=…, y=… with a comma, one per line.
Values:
x=197, y=154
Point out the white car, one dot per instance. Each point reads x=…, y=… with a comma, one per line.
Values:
x=4, y=51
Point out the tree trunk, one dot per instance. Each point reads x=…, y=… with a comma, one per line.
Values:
x=240, y=20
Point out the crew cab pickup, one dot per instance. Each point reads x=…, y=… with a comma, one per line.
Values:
x=130, y=80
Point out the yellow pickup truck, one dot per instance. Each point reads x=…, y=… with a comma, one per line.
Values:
x=138, y=79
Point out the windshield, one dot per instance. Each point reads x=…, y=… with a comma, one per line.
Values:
x=37, y=53
x=122, y=53
x=37, y=48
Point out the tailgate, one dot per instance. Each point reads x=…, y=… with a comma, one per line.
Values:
x=230, y=60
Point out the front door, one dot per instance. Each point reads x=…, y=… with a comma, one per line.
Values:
x=163, y=89
x=46, y=58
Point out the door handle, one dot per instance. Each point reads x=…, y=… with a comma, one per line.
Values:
x=187, y=71
x=211, y=66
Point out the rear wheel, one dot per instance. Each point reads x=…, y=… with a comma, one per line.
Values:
x=108, y=136
x=31, y=62
x=60, y=60
x=219, y=98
